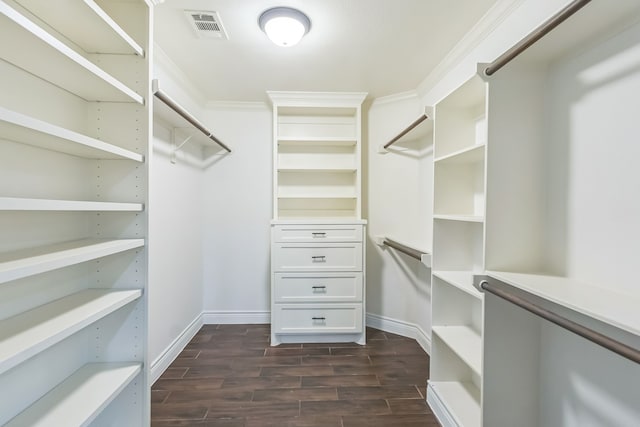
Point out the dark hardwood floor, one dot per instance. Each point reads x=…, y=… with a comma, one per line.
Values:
x=228, y=375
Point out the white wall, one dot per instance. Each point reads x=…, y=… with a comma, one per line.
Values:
x=237, y=215
x=175, y=241
x=399, y=206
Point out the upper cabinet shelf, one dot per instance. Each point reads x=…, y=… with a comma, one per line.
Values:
x=176, y=115
x=55, y=62
x=414, y=131
x=28, y=130
x=86, y=23
x=608, y=306
x=317, y=140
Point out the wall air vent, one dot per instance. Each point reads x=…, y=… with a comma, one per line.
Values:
x=206, y=24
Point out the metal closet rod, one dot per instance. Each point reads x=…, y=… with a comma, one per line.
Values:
x=406, y=131
x=535, y=35
x=414, y=253
x=185, y=115
x=500, y=289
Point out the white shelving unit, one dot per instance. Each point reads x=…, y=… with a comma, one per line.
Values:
x=460, y=148
x=317, y=151
x=75, y=127
x=561, y=224
x=317, y=234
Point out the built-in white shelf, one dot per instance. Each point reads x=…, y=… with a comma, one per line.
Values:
x=55, y=62
x=317, y=196
x=471, y=154
x=316, y=169
x=324, y=141
x=604, y=304
x=465, y=342
x=462, y=280
x=463, y=218
x=27, y=334
x=79, y=399
x=21, y=128
x=86, y=24
x=23, y=204
x=461, y=400
x=23, y=263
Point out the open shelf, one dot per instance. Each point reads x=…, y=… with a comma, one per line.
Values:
x=606, y=305
x=26, y=334
x=86, y=24
x=472, y=154
x=462, y=280
x=55, y=62
x=315, y=169
x=319, y=140
x=80, y=398
x=28, y=130
x=464, y=218
x=23, y=204
x=462, y=400
x=465, y=342
x=23, y=263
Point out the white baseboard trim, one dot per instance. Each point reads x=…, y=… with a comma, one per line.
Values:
x=400, y=327
x=236, y=317
x=439, y=409
x=167, y=357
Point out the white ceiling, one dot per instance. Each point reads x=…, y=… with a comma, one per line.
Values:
x=381, y=47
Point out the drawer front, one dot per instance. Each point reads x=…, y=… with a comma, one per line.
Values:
x=317, y=257
x=317, y=233
x=321, y=318
x=328, y=287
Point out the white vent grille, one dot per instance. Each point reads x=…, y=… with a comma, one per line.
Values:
x=206, y=24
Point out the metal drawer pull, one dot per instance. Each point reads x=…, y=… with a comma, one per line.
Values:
x=318, y=234
x=318, y=258
x=319, y=318
x=319, y=287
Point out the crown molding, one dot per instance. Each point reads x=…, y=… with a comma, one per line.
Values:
x=396, y=97
x=316, y=99
x=478, y=33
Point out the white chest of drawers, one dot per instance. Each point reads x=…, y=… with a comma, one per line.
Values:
x=317, y=282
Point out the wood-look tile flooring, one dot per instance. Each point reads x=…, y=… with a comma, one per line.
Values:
x=228, y=375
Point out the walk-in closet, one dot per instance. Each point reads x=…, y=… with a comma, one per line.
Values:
x=319, y=213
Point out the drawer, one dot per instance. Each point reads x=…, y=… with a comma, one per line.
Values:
x=317, y=257
x=317, y=233
x=320, y=318
x=327, y=287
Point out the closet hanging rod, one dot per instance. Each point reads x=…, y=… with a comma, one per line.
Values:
x=501, y=290
x=185, y=114
x=535, y=35
x=414, y=253
x=408, y=129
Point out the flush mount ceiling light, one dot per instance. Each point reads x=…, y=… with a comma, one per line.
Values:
x=284, y=26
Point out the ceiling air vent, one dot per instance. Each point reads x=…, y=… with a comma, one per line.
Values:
x=206, y=24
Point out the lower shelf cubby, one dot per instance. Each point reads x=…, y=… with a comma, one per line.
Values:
x=79, y=399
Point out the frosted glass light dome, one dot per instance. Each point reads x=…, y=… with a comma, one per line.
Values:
x=284, y=26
